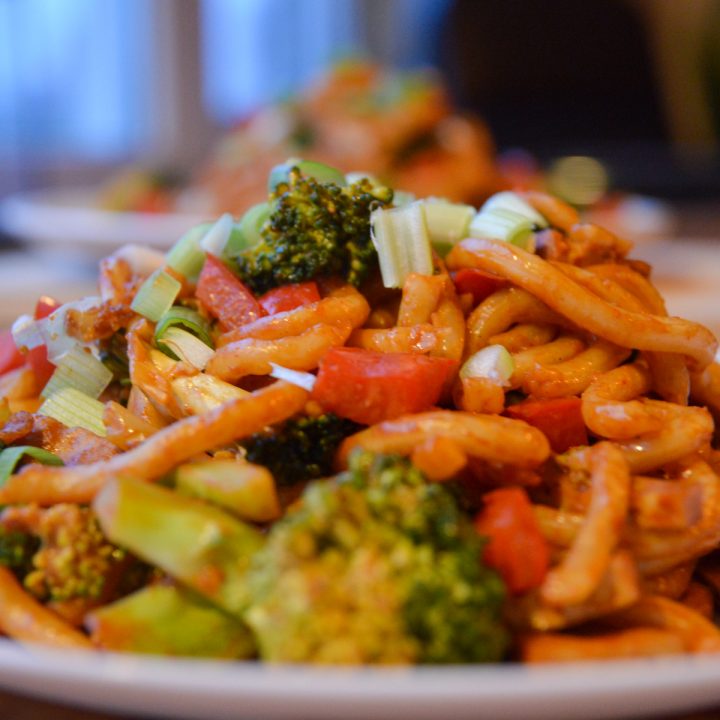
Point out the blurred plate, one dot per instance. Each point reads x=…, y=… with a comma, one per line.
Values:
x=244, y=690
x=69, y=219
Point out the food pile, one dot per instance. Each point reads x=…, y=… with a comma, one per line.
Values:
x=351, y=427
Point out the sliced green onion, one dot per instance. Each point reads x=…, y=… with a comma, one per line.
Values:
x=27, y=333
x=156, y=295
x=78, y=368
x=201, y=393
x=309, y=168
x=493, y=363
x=401, y=238
x=75, y=409
x=186, y=256
x=513, y=202
x=186, y=347
x=304, y=380
x=189, y=319
x=447, y=223
x=10, y=457
x=504, y=225
x=246, y=233
x=216, y=238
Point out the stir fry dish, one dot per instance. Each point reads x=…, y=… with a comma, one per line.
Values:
x=356, y=428
x=398, y=125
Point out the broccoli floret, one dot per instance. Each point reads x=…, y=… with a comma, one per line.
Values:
x=376, y=566
x=75, y=560
x=16, y=550
x=300, y=449
x=316, y=229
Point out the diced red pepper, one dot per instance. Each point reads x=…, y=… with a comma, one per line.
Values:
x=289, y=297
x=37, y=358
x=560, y=419
x=225, y=296
x=10, y=356
x=369, y=387
x=477, y=283
x=516, y=548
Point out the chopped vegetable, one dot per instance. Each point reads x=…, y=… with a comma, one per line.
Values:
x=11, y=456
x=10, y=356
x=289, y=297
x=188, y=319
x=560, y=420
x=447, y=223
x=80, y=369
x=186, y=257
x=500, y=224
x=156, y=295
x=75, y=409
x=493, y=363
x=477, y=283
x=516, y=548
x=512, y=202
x=182, y=345
x=369, y=387
x=225, y=296
x=216, y=238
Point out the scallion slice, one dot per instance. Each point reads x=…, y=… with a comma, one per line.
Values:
x=10, y=457
x=504, y=225
x=309, y=168
x=58, y=342
x=216, y=238
x=27, y=333
x=78, y=368
x=401, y=238
x=74, y=408
x=493, y=363
x=246, y=233
x=156, y=295
x=186, y=347
x=189, y=319
x=514, y=203
x=186, y=256
x=402, y=198
x=304, y=380
x=447, y=223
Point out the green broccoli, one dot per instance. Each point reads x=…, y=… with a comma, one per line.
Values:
x=17, y=549
x=316, y=229
x=301, y=449
x=75, y=561
x=376, y=566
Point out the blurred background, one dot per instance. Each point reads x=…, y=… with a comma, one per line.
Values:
x=176, y=107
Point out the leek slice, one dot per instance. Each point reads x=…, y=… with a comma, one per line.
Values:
x=74, y=408
x=247, y=232
x=26, y=333
x=10, y=457
x=309, y=168
x=156, y=295
x=401, y=238
x=493, y=363
x=189, y=319
x=201, y=393
x=186, y=256
x=514, y=203
x=216, y=238
x=504, y=225
x=186, y=347
x=447, y=223
x=80, y=369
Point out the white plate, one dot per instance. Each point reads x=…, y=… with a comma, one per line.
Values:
x=70, y=218
x=243, y=691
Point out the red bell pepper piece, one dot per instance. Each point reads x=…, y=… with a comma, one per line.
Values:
x=516, y=548
x=560, y=419
x=225, y=296
x=37, y=358
x=476, y=282
x=289, y=297
x=369, y=387
x=10, y=356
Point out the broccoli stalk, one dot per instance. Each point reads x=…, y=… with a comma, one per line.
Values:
x=317, y=229
x=378, y=566
x=301, y=449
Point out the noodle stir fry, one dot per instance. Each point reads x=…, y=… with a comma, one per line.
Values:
x=350, y=429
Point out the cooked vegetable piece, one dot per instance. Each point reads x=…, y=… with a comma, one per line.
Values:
x=289, y=297
x=516, y=548
x=156, y=295
x=10, y=356
x=301, y=449
x=11, y=456
x=37, y=357
x=375, y=566
x=244, y=489
x=560, y=420
x=477, y=283
x=225, y=296
x=199, y=545
x=369, y=387
x=167, y=620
